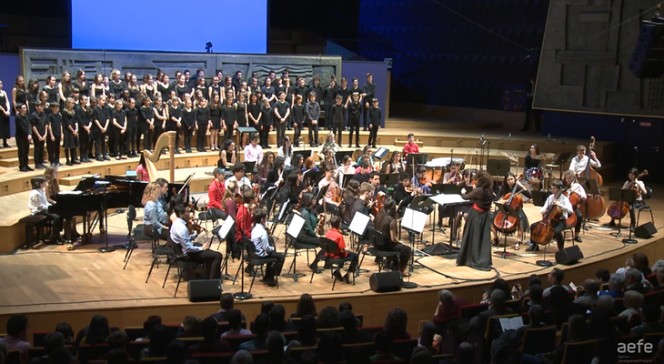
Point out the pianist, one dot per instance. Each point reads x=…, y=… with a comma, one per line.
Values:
x=38, y=205
x=155, y=217
x=181, y=236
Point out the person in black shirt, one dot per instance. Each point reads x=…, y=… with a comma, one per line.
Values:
x=404, y=192
x=23, y=137
x=84, y=118
x=174, y=122
x=297, y=117
x=38, y=125
x=336, y=117
x=203, y=124
x=375, y=115
x=146, y=126
x=118, y=130
x=266, y=123
x=354, y=105
x=329, y=95
x=131, y=113
x=281, y=115
x=188, y=124
x=70, y=132
x=476, y=243
x=54, y=135
x=228, y=118
x=386, y=223
x=369, y=94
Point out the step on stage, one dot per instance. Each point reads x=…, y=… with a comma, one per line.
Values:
x=52, y=284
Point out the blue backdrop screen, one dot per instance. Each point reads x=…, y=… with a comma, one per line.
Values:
x=170, y=25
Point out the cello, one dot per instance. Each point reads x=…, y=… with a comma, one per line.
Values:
x=595, y=205
x=507, y=224
x=542, y=231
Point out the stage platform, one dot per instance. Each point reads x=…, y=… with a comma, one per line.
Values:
x=52, y=284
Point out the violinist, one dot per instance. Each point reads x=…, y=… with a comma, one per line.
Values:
x=579, y=163
x=639, y=188
x=557, y=198
x=264, y=168
x=574, y=187
x=216, y=192
x=333, y=193
x=238, y=176
x=264, y=245
x=350, y=194
x=364, y=173
x=378, y=188
x=421, y=183
x=286, y=151
x=476, y=243
x=508, y=188
x=308, y=234
x=454, y=176
x=330, y=144
x=276, y=175
x=361, y=203
x=394, y=164
x=181, y=236
x=155, y=218
x=346, y=166
x=404, y=191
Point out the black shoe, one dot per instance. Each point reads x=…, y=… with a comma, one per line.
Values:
x=24, y=169
x=69, y=163
x=347, y=278
x=106, y=157
x=29, y=169
x=532, y=248
x=611, y=223
x=270, y=282
x=39, y=166
x=337, y=275
x=357, y=146
x=578, y=239
x=5, y=145
x=314, y=268
x=350, y=145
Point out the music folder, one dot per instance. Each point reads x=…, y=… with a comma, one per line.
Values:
x=359, y=223
x=448, y=199
x=225, y=228
x=413, y=220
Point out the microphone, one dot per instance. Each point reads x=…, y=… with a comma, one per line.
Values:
x=452, y=150
x=482, y=137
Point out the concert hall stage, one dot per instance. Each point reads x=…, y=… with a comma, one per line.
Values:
x=52, y=284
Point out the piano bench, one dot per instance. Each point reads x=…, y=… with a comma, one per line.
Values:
x=33, y=223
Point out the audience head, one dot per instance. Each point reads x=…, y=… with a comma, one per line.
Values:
x=421, y=355
x=384, y=341
x=605, y=303
x=536, y=314
x=536, y=293
x=345, y=306
x=234, y=318
x=603, y=275
x=328, y=318
x=502, y=285
x=633, y=299
x=446, y=297
x=150, y=322
x=348, y=321
x=66, y=330
x=305, y=306
x=465, y=353
x=578, y=328
x=641, y=262
x=556, y=276
x=591, y=287
x=617, y=282
x=498, y=298
x=191, y=326
x=274, y=343
x=632, y=276
x=329, y=348
x=53, y=341
x=261, y=325
x=226, y=301
x=98, y=330
x=396, y=322
x=160, y=337
x=533, y=280
x=210, y=329
x=277, y=317
x=17, y=325
x=117, y=340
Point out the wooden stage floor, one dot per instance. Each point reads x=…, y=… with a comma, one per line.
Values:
x=52, y=284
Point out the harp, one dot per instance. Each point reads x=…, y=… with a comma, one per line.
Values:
x=165, y=140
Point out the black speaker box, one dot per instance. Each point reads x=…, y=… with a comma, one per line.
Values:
x=386, y=282
x=647, y=59
x=569, y=255
x=645, y=231
x=204, y=290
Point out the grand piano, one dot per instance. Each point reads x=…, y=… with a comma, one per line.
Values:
x=94, y=196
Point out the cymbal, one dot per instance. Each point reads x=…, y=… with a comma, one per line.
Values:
x=552, y=165
x=510, y=156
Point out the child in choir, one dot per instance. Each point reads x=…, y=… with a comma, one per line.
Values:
x=54, y=127
x=375, y=115
x=71, y=132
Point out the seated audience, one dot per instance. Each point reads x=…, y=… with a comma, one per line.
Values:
x=260, y=329
x=235, y=321
x=445, y=319
x=396, y=324
x=15, y=338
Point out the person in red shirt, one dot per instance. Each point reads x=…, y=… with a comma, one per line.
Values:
x=335, y=235
x=445, y=319
x=411, y=146
x=243, y=222
x=216, y=193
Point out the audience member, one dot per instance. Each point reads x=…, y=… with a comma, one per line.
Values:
x=160, y=338
x=190, y=327
x=226, y=301
x=261, y=327
x=588, y=296
x=95, y=333
x=212, y=343
x=556, y=278
x=635, y=281
x=275, y=343
x=650, y=318
x=328, y=318
x=329, y=348
x=15, y=339
x=497, y=307
x=305, y=306
x=351, y=333
x=396, y=323
x=616, y=286
x=633, y=302
x=384, y=342
x=148, y=324
x=234, y=317
x=445, y=318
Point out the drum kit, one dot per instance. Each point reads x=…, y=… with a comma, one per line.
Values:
x=536, y=175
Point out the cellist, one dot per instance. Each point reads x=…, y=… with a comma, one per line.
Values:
x=574, y=187
x=557, y=198
x=639, y=187
x=511, y=184
x=579, y=163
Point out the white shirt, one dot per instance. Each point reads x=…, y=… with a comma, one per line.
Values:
x=287, y=158
x=180, y=235
x=261, y=240
x=562, y=201
x=253, y=153
x=575, y=187
x=578, y=165
x=640, y=185
x=244, y=181
x=37, y=201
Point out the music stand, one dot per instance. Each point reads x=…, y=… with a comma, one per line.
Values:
x=293, y=231
x=417, y=158
x=346, y=178
x=413, y=221
x=244, y=130
x=507, y=211
x=339, y=156
x=221, y=232
x=498, y=167
x=443, y=200
x=389, y=179
x=358, y=226
x=539, y=197
x=306, y=153
x=561, y=160
x=380, y=153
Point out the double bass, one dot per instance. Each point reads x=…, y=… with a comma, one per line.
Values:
x=594, y=206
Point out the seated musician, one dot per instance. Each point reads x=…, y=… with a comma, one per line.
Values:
x=363, y=174
x=350, y=194
x=511, y=184
x=181, y=236
x=378, y=188
x=69, y=224
x=238, y=176
x=557, y=198
x=404, y=192
x=216, y=192
x=38, y=205
x=386, y=223
x=253, y=152
x=155, y=219
x=346, y=166
x=453, y=177
x=276, y=176
x=308, y=233
x=330, y=144
x=361, y=203
x=573, y=186
x=263, y=168
x=264, y=245
x=532, y=166
x=420, y=182
x=334, y=234
x=227, y=156
x=411, y=146
x=333, y=193
x=639, y=187
x=579, y=163
x=366, y=153
x=394, y=164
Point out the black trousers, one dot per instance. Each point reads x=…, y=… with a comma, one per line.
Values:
x=211, y=259
x=100, y=144
x=264, y=134
x=132, y=143
x=297, y=131
x=313, y=134
x=83, y=139
x=39, y=151
x=56, y=221
x=147, y=136
x=353, y=126
x=281, y=132
x=200, y=136
x=53, y=147
x=23, y=149
x=274, y=269
x=187, y=138
x=373, y=135
x=177, y=136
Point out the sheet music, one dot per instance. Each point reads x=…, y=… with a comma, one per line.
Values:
x=295, y=226
x=226, y=228
x=448, y=199
x=413, y=220
x=359, y=223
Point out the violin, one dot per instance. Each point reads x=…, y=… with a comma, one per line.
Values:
x=320, y=230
